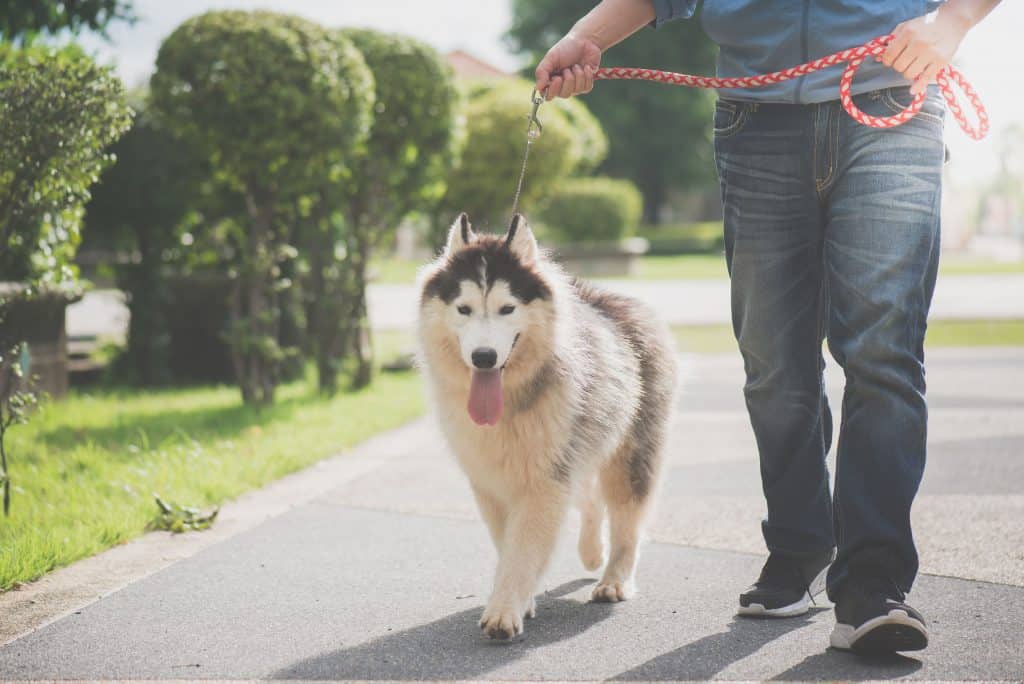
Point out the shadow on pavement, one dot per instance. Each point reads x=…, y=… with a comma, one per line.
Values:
x=453, y=647
x=833, y=664
x=707, y=656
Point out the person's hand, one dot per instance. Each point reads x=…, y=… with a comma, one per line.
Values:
x=568, y=68
x=922, y=47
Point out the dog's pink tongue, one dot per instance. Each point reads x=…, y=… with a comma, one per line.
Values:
x=485, y=397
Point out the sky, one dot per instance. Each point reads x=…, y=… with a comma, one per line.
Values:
x=986, y=56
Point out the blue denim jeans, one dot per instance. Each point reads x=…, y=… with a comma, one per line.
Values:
x=832, y=233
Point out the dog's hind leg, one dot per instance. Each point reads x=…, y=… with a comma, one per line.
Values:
x=628, y=503
x=591, y=505
x=531, y=531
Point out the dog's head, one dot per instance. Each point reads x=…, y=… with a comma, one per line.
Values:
x=485, y=311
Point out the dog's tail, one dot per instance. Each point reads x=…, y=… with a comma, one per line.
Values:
x=591, y=545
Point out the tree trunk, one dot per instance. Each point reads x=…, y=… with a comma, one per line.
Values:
x=325, y=305
x=148, y=337
x=238, y=356
x=362, y=345
x=653, y=190
x=255, y=334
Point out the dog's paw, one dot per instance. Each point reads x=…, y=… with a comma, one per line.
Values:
x=531, y=609
x=501, y=623
x=613, y=592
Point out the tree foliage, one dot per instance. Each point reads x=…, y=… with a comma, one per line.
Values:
x=275, y=105
x=659, y=134
x=484, y=182
x=21, y=19
x=58, y=114
x=410, y=152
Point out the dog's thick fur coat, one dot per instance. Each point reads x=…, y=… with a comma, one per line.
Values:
x=588, y=381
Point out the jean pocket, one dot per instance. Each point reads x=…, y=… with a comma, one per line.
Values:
x=933, y=109
x=730, y=117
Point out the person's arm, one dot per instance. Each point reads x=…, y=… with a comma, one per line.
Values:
x=922, y=47
x=569, y=66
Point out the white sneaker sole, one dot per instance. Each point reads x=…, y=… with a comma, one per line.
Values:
x=792, y=610
x=890, y=633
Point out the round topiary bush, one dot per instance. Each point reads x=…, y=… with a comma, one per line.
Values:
x=592, y=210
x=276, y=106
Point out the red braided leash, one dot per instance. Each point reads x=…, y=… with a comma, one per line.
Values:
x=853, y=57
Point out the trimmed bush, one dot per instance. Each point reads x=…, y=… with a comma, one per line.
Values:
x=592, y=210
x=275, y=104
x=58, y=113
x=410, y=153
x=484, y=182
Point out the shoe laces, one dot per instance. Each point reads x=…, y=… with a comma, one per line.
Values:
x=875, y=584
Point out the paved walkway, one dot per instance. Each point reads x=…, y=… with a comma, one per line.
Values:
x=383, y=574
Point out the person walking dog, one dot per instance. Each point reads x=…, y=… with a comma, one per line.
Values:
x=831, y=234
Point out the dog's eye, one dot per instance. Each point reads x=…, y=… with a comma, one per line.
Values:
x=465, y=310
x=506, y=310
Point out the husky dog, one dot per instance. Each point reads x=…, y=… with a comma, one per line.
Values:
x=550, y=392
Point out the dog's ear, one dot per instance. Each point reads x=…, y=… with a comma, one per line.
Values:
x=460, y=235
x=520, y=240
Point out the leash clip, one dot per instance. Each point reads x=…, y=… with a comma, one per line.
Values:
x=533, y=126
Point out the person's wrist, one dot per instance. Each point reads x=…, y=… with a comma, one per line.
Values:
x=960, y=14
x=585, y=34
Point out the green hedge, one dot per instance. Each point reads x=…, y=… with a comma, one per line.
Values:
x=592, y=210
x=704, y=237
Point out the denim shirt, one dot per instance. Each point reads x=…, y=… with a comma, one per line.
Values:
x=761, y=36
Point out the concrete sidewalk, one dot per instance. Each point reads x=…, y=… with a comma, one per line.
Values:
x=383, y=575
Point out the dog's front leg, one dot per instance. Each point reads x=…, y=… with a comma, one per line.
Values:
x=531, y=530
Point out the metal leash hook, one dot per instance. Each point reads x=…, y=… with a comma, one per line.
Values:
x=533, y=125
x=533, y=130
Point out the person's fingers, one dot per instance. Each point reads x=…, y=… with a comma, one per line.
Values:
x=896, y=47
x=580, y=79
x=542, y=75
x=905, y=59
x=552, y=91
x=589, y=72
x=927, y=76
x=915, y=68
x=568, y=83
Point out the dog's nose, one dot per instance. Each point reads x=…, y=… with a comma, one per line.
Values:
x=484, y=357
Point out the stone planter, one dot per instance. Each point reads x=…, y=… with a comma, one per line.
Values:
x=603, y=259
x=39, y=321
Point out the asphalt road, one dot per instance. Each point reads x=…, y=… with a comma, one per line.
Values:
x=384, y=575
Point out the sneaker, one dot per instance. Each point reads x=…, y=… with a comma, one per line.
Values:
x=787, y=585
x=873, y=619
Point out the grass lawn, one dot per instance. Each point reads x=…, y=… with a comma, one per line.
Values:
x=956, y=264
x=393, y=270
x=84, y=469
x=683, y=266
x=710, y=339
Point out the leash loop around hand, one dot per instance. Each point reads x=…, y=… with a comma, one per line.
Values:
x=853, y=58
x=875, y=47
